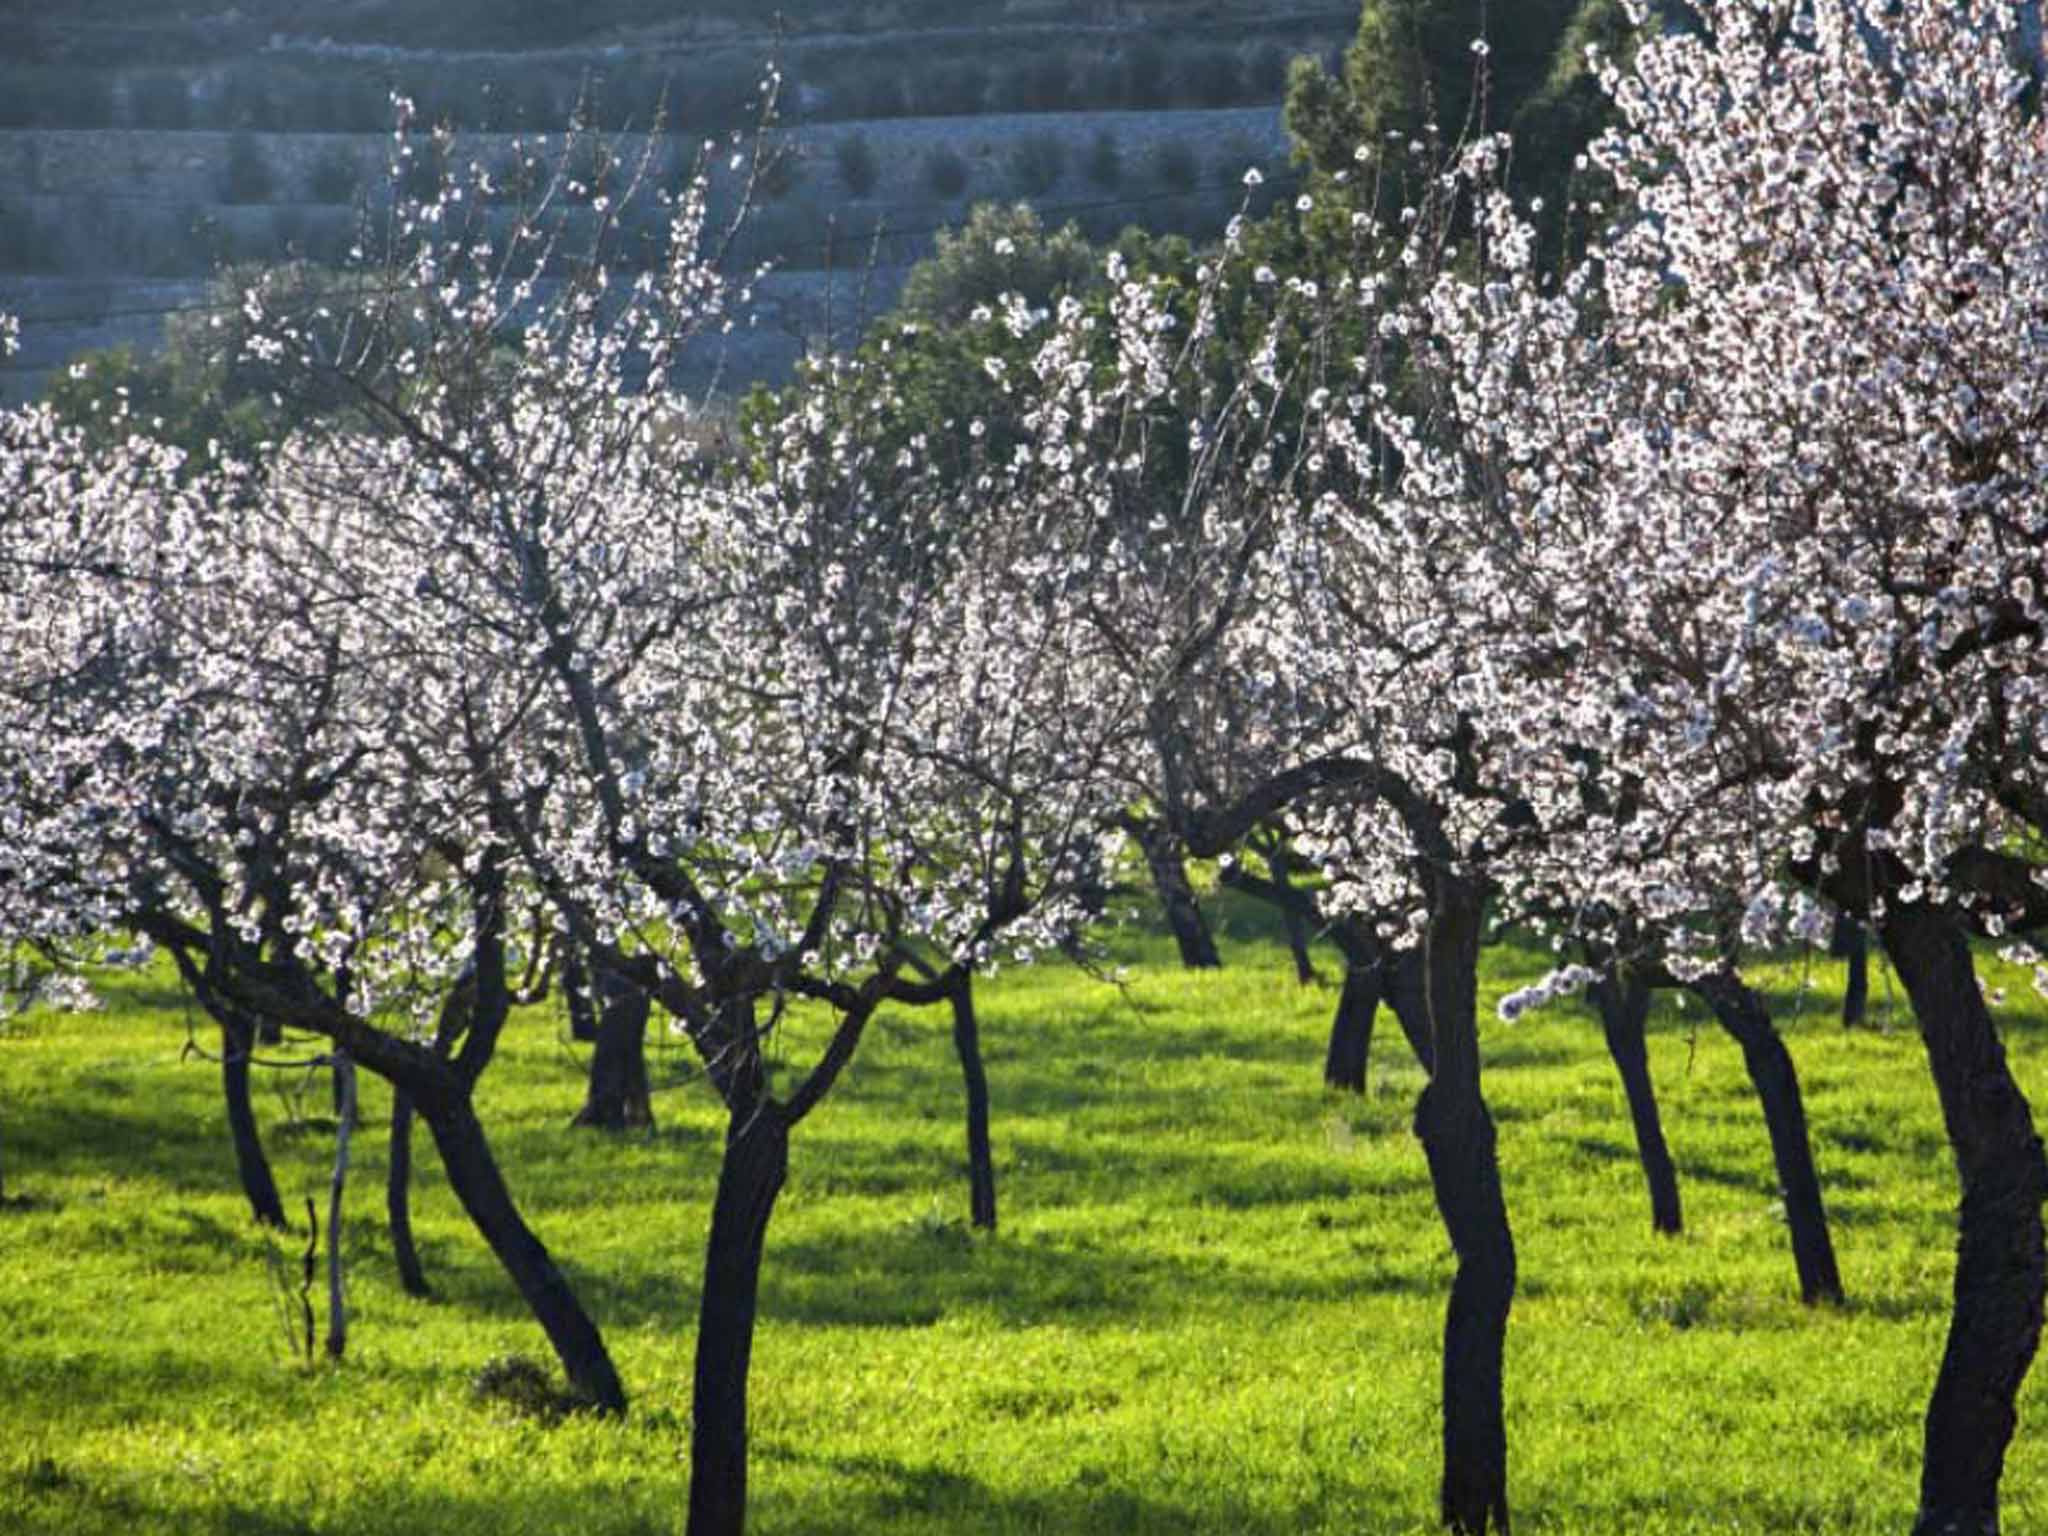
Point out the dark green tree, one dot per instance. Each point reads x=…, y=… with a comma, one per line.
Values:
x=1413, y=64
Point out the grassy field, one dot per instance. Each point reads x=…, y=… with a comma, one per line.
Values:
x=1213, y=1306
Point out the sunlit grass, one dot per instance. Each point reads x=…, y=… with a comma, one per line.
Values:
x=1213, y=1305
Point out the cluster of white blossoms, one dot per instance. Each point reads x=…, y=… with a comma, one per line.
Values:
x=1692, y=570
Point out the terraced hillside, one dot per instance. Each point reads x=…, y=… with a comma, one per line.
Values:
x=140, y=148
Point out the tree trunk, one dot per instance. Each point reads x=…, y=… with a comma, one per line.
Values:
x=618, y=1098
x=1742, y=1013
x=1850, y=942
x=981, y=1167
x=1457, y=1136
x=237, y=1042
x=1164, y=858
x=1350, y=1052
x=1624, y=1004
x=398, y=1196
x=1405, y=989
x=473, y=1175
x=457, y=1011
x=749, y=1179
x=576, y=993
x=2001, y=1270
x=344, y=1131
x=1281, y=861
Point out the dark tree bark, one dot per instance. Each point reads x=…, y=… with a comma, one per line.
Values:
x=1404, y=988
x=1281, y=861
x=398, y=1197
x=1458, y=1138
x=344, y=1132
x=1850, y=942
x=1350, y=1053
x=441, y=1090
x=456, y=1012
x=1166, y=860
x=981, y=1166
x=750, y=1178
x=473, y=1175
x=576, y=994
x=2001, y=1269
x=238, y=1035
x=1624, y=1005
x=618, y=1098
x=1742, y=1013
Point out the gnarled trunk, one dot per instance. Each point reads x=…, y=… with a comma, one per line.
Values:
x=1623, y=1002
x=1167, y=862
x=1457, y=1136
x=1742, y=1013
x=750, y=1178
x=237, y=1044
x=981, y=1167
x=2001, y=1269
x=1404, y=987
x=618, y=1098
x=473, y=1175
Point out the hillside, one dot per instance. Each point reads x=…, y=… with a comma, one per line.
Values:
x=141, y=147
x=121, y=31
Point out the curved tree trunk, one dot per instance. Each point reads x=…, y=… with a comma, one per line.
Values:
x=1281, y=861
x=1167, y=862
x=750, y=1178
x=1624, y=1005
x=1742, y=1013
x=237, y=1043
x=618, y=1097
x=1404, y=987
x=473, y=1175
x=1458, y=1138
x=1350, y=1053
x=2001, y=1270
x=981, y=1168
x=398, y=1197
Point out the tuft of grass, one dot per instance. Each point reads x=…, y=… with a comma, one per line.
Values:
x=523, y=1387
x=1214, y=1303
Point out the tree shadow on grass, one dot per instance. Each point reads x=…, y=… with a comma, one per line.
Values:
x=134, y=1140
x=913, y=1276
x=118, y=1380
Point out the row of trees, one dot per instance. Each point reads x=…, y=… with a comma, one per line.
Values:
x=1676, y=595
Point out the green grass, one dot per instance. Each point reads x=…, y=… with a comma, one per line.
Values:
x=1214, y=1304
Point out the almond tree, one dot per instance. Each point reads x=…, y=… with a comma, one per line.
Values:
x=1761, y=482
x=758, y=736
x=192, y=755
